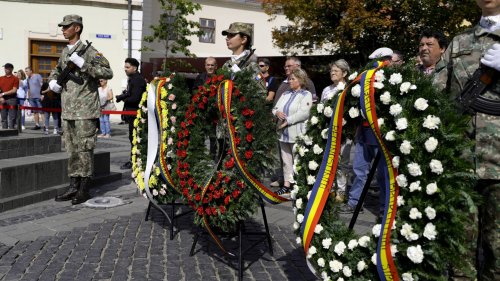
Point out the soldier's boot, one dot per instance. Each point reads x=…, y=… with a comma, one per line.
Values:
x=74, y=182
x=82, y=194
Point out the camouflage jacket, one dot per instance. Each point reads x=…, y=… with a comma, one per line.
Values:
x=251, y=63
x=82, y=101
x=462, y=58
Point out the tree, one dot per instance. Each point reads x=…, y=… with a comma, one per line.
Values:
x=174, y=28
x=355, y=28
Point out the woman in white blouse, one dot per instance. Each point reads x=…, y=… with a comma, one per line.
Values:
x=292, y=110
x=339, y=70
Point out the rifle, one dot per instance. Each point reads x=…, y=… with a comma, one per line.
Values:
x=242, y=63
x=471, y=98
x=68, y=72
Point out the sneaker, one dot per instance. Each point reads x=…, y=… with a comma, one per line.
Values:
x=37, y=127
x=46, y=132
x=347, y=209
x=284, y=192
x=24, y=128
x=55, y=132
x=126, y=166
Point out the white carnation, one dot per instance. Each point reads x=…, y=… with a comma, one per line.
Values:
x=361, y=266
x=431, y=122
x=430, y=212
x=396, y=78
x=376, y=230
x=400, y=200
x=298, y=203
x=312, y=251
x=407, y=277
x=436, y=166
x=340, y=86
x=335, y=265
x=307, y=140
x=378, y=85
x=347, y=271
x=324, y=134
x=406, y=231
x=405, y=87
x=390, y=136
x=339, y=248
x=311, y=180
x=312, y=165
x=395, y=162
x=385, y=98
x=415, y=254
x=318, y=229
x=356, y=91
x=402, y=181
x=430, y=231
x=415, y=186
x=352, y=244
x=415, y=214
x=296, y=225
x=328, y=111
x=327, y=242
x=431, y=188
x=314, y=120
x=421, y=104
x=395, y=109
x=321, y=262
x=353, y=112
x=401, y=123
x=353, y=76
x=380, y=122
x=405, y=147
x=317, y=149
x=414, y=169
x=320, y=107
x=379, y=76
x=300, y=218
x=374, y=259
x=298, y=240
x=431, y=144
x=363, y=241
x=394, y=250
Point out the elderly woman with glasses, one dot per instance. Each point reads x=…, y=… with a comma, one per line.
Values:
x=339, y=70
x=292, y=110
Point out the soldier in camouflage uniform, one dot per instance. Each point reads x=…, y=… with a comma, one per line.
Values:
x=466, y=52
x=80, y=107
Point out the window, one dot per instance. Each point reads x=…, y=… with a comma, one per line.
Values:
x=208, y=28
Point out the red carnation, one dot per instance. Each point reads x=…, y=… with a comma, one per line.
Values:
x=197, y=197
x=230, y=164
x=181, y=153
x=239, y=184
x=190, y=122
x=219, y=175
x=216, y=194
x=214, y=80
x=227, y=179
x=185, y=191
x=183, y=125
x=200, y=211
x=220, y=77
x=180, y=135
x=227, y=199
x=201, y=105
x=183, y=183
x=208, y=211
x=248, y=124
x=222, y=209
x=237, y=140
x=211, y=187
x=249, y=138
x=214, y=210
x=190, y=181
x=236, y=193
x=236, y=92
x=205, y=200
x=248, y=154
x=242, y=99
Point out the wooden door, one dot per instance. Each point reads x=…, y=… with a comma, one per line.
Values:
x=44, y=54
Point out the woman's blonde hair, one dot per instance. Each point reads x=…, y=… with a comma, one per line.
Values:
x=23, y=75
x=301, y=75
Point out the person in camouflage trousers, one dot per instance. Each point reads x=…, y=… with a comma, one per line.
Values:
x=480, y=46
x=80, y=107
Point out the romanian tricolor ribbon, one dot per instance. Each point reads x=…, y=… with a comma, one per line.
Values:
x=385, y=264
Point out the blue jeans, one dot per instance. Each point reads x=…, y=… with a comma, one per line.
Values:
x=55, y=118
x=105, y=126
x=20, y=101
x=363, y=155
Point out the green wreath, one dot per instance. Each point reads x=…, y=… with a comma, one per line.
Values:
x=423, y=131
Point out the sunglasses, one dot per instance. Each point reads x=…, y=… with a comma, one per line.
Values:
x=231, y=35
x=262, y=65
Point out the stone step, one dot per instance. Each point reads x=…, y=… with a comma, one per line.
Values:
x=36, y=173
x=28, y=145
x=8, y=132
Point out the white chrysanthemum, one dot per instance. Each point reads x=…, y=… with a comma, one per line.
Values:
x=327, y=242
x=363, y=241
x=374, y=259
x=402, y=181
x=395, y=162
x=339, y=248
x=415, y=214
x=431, y=122
x=320, y=107
x=353, y=243
x=312, y=250
x=378, y=85
x=396, y=78
x=317, y=149
x=356, y=91
x=155, y=192
x=401, y=123
x=324, y=133
x=347, y=271
x=414, y=169
x=318, y=228
x=415, y=254
x=421, y=104
x=328, y=111
x=296, y=225
x=390, y=136
x=405, y=147
x=307, y=140
x=361, y=266
x=395, y=109
x=380, y=122
x=321, y=262
x=430, y=213
x=311, y=180
x=431, y=144
x=314, y=120
x=298, y=203
x=436, y=166
x=335, y=265
x=385, y=98
x=405, y=87
x=407, y=277
x=415, y=186
x=379, y=76
x=353, y=112
x=312, y=165
x=300, y=218
x=376, y=230
x=406, y=230
x=298, y=240
x=353, y=76
x=431, y=188
x=430, y=231
x=400, y=200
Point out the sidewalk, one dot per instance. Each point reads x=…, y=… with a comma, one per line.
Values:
x=57, y=241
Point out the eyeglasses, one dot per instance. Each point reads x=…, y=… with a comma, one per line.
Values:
x=289, y=66
x=262, y=65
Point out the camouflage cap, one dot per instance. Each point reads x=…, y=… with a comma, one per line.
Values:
x=69, y=19
x=239, y=27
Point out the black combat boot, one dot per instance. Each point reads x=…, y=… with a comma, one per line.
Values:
x=82, y=194
x=74, y=182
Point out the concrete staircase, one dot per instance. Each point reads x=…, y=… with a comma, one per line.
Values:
x=33, y=168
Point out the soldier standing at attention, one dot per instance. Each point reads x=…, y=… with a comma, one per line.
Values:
x=80, y=106
x=239, y=41
x=479, y=47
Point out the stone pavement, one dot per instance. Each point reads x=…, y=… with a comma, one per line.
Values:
x=57, y=241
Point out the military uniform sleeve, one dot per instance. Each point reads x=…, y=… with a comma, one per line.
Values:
x=96, y=65
x=441, y=71
x=56, y=71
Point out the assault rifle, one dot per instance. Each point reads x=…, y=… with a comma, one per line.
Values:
x=471, y=98
x=242, y=62
x=68, y=72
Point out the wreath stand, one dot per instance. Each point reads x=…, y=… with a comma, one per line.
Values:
x=240, y=232
x=172, y=217
x=365, y=190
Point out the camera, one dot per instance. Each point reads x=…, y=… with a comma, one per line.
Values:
x=125, y=94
